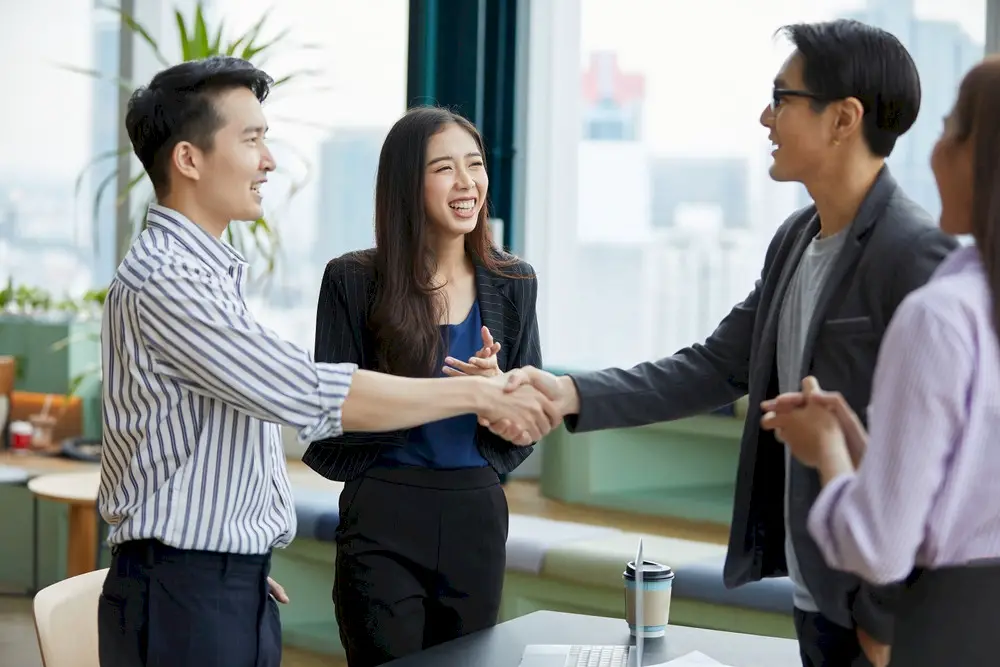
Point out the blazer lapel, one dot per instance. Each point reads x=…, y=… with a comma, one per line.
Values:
x=492, y=304
x=872, y=206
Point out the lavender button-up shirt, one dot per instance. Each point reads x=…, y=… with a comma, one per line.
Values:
x=927, y=492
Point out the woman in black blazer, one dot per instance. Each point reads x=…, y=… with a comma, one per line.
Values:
x=421, y=545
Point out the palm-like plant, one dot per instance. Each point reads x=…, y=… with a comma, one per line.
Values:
x=197, y=41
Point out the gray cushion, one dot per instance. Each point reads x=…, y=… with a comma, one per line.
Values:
x=11, y=475
x=318, y=514
x=702, y=581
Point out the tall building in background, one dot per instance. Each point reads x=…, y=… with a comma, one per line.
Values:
x=348, y=163
x=612, y=100
x=718, y=182
x=943, y=53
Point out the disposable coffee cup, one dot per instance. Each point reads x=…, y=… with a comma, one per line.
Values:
x=657, y=584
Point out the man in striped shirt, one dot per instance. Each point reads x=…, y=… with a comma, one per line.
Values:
x=193, y=478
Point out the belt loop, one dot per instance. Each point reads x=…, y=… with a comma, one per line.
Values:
x=149, y=553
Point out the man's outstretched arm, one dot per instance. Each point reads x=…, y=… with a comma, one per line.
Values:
x=696, y=379
x=198, y=332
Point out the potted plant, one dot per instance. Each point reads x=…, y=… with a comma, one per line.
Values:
x=259, y=241
x=55, y=343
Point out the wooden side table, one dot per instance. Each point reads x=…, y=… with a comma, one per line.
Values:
x=79, y=491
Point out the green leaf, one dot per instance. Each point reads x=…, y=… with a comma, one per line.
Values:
x=92, y=372
x=98, y=197
x=138, y=29
x=231, y=49
x=198, y=39
x=134, y=181
x=119, y=200
x=217, y=41
x=297, y=74
x=251, y=51
x=76, y=338
x=251, y=35
x=121, y=83
x=97, y=159
x=183, y=34
x=200, y=34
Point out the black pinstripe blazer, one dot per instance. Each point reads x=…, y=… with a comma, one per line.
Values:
x=507, y=305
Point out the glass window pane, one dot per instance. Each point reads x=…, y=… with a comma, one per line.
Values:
x=674, y=206
x=326, y=130
x=50, y=127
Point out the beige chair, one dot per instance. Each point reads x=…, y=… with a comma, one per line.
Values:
x=66, y=621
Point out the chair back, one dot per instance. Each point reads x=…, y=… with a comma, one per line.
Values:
x=66, y=621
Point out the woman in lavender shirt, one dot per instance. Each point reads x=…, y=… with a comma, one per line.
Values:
x=916, y=499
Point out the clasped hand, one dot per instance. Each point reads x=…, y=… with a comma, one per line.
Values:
x=809, y=422
x=814, y=423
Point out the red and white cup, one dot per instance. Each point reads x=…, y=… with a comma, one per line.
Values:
x=20, y=436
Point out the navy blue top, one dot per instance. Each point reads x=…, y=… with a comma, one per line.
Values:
x=449, y=443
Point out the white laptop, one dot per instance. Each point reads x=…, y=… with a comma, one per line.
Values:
x=553, y=655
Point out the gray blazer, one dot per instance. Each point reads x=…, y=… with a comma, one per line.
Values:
x=893, y=248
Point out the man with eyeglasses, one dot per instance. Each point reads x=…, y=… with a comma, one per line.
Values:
x=833, y=275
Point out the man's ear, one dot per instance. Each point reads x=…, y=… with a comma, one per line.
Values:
x=186, y=158
x=848, y=118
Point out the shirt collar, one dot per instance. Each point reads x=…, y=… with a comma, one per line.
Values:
x=198, y=242
x=963, y=260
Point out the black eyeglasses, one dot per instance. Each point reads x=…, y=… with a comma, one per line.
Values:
x=779, y=94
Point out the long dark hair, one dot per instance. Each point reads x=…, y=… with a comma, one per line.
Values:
x=405, y=312
x=977, y=115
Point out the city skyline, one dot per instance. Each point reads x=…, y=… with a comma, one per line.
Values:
x=377, y=90
x=673, y=201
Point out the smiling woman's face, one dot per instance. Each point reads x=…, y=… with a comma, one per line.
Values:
x=455, y=182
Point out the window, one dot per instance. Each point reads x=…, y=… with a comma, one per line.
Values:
x=52, y=125
x=326, y=132
x=647, y=202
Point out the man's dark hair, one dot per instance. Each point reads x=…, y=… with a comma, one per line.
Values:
x=178, y=105
x=847, y=58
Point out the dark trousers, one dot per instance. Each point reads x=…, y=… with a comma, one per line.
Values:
x=823, y=643
x=166, y=607
x=949, y=616
x=420, y=559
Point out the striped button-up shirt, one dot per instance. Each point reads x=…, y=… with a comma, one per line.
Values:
x=194, y=390
x=926, y=491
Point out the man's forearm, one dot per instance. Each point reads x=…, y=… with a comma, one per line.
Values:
x=378, y=402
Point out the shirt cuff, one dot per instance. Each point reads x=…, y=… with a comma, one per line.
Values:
x=334, y=385
x=822, y=515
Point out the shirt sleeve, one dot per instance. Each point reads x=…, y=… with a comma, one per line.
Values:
x=199, y=332
x=872, y=522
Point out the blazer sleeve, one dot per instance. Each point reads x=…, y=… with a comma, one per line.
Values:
x=337, y=336
x=527, y=348
x=694, y=380
x=341, y=331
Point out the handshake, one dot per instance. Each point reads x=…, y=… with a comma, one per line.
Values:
x=526, y=403
x=521, y=405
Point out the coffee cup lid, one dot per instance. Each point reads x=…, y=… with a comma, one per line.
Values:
x=651, y=570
